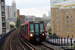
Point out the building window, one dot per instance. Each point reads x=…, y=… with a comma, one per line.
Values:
x=71, y=16
x=3, y=14
x=71, y=26
x=67, y=31
x=67, y=21
x=71, y=12
x=3, y=25
x=67, y=26
x=72, y=36
x=71, y=21
x=3, y=30
x=67, y=17
x=2, y=8
x=2, y=3
x=71, y=31
x=67, y=36
x=66, y=12
x=3, y=19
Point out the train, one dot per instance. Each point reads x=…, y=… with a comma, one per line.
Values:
x=34, y=31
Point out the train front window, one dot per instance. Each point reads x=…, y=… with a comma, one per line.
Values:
x=36, y=27
x=41, y=28
x=31, y=28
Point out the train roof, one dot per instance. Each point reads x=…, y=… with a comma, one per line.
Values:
x=30, y=22
x=35, y=21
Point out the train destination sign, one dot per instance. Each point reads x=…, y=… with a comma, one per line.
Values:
x=36, y=22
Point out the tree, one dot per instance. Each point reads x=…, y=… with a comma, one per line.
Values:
x=49, y=31
x=17, y=23
x=11, y=26
x=54, y=34
x=46, y=20
x=38, y=18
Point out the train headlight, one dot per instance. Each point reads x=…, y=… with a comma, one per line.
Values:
x=43, y=34
x=31, y=35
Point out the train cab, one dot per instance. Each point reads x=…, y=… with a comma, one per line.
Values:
x=34, y=31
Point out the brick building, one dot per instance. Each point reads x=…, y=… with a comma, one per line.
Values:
x=63, y=21
x=18, y=13
x=22, y=19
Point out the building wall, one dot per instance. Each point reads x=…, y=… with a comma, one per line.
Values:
x=11, y=12
x=59, y=23
x=7, y=26
x=29, y=18
x=22, y=19
x=0, y=20
x=11, y=15
x=7, y=12
x=2, y=17
x=53, y=20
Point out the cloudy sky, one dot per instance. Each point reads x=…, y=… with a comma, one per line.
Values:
x=32, y=7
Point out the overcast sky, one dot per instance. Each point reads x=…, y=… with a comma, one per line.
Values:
x=32, y=7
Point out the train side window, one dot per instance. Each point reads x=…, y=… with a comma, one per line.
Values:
x=27, y=30
x=21, y=28
x=24, y=28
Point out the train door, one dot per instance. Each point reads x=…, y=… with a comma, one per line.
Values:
x=37, y=29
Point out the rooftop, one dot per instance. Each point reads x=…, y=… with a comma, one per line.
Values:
x=65, y=4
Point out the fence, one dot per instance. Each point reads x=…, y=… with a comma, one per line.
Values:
x=4, y=36
x=60, y=41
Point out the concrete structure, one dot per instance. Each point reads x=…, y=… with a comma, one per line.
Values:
x=11, y=12
x=22, y=19
x=57, y=1
x=63, y=20
x=29, y=18
x=18, y=14
x=2, y=17
x=7, y=26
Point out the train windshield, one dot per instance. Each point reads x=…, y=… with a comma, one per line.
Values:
x=36, y=27
x=31, y=28
x=41, y=28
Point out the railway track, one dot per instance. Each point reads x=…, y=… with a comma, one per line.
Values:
x=15, y=43
x=27, y=44
x=30, y=46
x=6, y=44
x=43, y=47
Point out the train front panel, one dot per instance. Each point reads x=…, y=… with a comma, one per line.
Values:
x=37, y=31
